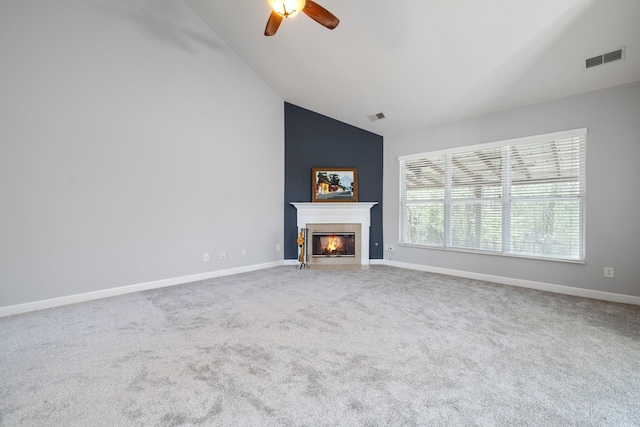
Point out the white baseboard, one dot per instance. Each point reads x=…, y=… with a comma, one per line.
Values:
x=89, y=296
x=549, y=287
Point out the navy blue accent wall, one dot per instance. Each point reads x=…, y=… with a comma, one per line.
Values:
x=314, y=140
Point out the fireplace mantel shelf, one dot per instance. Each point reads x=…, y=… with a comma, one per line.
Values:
x=334, y=206
x=338, y=212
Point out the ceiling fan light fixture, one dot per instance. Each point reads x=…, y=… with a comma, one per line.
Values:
x=287, y=8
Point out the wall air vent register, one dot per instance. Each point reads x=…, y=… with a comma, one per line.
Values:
x=605, y=58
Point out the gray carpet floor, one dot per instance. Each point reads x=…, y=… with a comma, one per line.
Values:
x=285, y=347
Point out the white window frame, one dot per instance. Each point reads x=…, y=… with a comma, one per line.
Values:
x=507, y=202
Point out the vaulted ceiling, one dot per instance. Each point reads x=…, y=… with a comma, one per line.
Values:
x=426, y=62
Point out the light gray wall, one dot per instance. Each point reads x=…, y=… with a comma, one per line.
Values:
x=612, y=117
x=132, y=141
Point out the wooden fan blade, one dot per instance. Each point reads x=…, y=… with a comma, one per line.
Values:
x=273, y=23
x=321, y=15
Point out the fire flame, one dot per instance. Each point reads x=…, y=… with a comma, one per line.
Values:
x=334, y=243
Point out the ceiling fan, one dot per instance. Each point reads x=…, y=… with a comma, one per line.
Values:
x=289, y=8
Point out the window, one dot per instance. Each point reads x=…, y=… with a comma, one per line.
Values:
x=522, y=197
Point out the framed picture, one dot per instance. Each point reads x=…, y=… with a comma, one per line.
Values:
x=334, y=184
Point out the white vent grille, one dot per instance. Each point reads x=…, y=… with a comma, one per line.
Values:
x=605, y=58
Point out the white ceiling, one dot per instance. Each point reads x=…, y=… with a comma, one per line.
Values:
x=425, y=62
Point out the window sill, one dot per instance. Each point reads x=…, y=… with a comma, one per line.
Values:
x=500, y=254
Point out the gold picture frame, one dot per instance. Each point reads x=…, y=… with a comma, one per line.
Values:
x=334, y=184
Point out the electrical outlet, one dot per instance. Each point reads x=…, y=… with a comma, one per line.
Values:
x=243, y=251
x=608, y=272
x=223, y=255
x=205, y=257
x=278, y=247
x=386, y=246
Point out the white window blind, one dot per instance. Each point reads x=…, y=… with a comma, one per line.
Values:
x=520, y=197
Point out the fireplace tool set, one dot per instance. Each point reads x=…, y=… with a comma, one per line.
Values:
x=303, y=258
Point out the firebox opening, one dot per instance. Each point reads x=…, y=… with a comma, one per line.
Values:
x=334, y=245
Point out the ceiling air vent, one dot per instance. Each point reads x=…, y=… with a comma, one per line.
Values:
x=375, y=117
x=616, y=55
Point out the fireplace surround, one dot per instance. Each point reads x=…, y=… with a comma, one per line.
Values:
x=349, y=217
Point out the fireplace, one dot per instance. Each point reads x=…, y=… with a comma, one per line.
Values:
x=327, y=245
x=344, y=218
x=347, y=236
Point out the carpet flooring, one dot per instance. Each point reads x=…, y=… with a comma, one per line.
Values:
x=289, y=347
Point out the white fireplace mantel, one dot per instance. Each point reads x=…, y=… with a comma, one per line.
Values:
x=339, y=213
